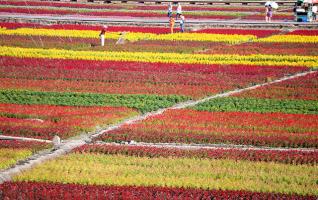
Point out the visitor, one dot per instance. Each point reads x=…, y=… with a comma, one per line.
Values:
x=102, y=35
x=179, y=11
x=170, y=10
x=314, y=13
x=182, y=23
x=269, y=13
x=171, y=23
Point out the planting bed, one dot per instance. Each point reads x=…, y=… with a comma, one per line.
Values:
x=253, y=144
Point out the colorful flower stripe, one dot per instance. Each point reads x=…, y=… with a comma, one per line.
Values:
x=290, y=38
x=143, y=103
x=190, y=126
x=119, y=170
x=57, y=191
x=265, y=48
x=275, y=17
x=131, y=77
x=204, y=8
x=155, y=88
x=45, y=121
x=232, y=39
x=120, y=13
x=9, y=157
x=258, y=33
x=288, y=157
x=16, y=144
x=58, y=4
x=303, y=88
x=308, y=61
x=259, y=105
x=122, y=6
x=155, y=30
x=303, y=32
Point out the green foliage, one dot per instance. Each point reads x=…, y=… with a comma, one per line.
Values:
x=259, y=105
x=144, y=103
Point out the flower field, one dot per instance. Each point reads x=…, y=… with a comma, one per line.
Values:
x=253, y=143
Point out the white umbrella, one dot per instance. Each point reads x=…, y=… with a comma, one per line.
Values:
x=268, y=3
x=274, y=5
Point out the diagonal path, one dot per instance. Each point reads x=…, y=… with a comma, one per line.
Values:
x=69, y=145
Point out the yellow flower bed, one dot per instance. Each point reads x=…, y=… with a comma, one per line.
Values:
x=222, y=174
x=263, y=60
x=289, y=38
x=232, y=39
x=9, y=157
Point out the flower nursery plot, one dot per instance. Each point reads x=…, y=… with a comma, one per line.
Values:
x=57, y=79
x=188, y=171
x=12, y=151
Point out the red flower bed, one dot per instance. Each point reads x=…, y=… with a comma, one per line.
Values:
x=45, y=121
x=59, y=4
x=17, y=144
x=282, y=48
x=304, y=32
x=288, y=157
x=131, y=77
x=258, y=33
x=203, y=8
x=34, y=190
x=143, y=29
x=190, y=126
x=275, y=17
x=304, y=88
x=104, y=13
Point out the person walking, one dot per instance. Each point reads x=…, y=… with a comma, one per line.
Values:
x=170, y=10
x=102, y=35
x=179, y=11
x=171, y=23
x=182, y=20
x=268, y=13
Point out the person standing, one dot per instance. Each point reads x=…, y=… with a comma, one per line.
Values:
x=179, y=11
x=182, y=20
x=314, y=13
x=171, y=23
x=102, y=35
x=268, y=13
x=170, y=10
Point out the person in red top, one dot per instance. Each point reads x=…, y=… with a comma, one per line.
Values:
x=102, y=35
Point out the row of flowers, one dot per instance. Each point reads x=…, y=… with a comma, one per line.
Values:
x=57, y=191
x=204, y=35
x=143, y=103
x=9, y=157
x=302, y=88
x=260, y=105
x=257, y=59
x=110, y=77
x=20, y=144
x=143, y=29
x=288, y=157
x=225, y=174
x=190, y=126
x=45, y=121
x=123, y=6
x=134, y=36
x=127, y=13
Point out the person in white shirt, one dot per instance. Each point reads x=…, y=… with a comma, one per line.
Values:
x=170, y=10
x=179, y=11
